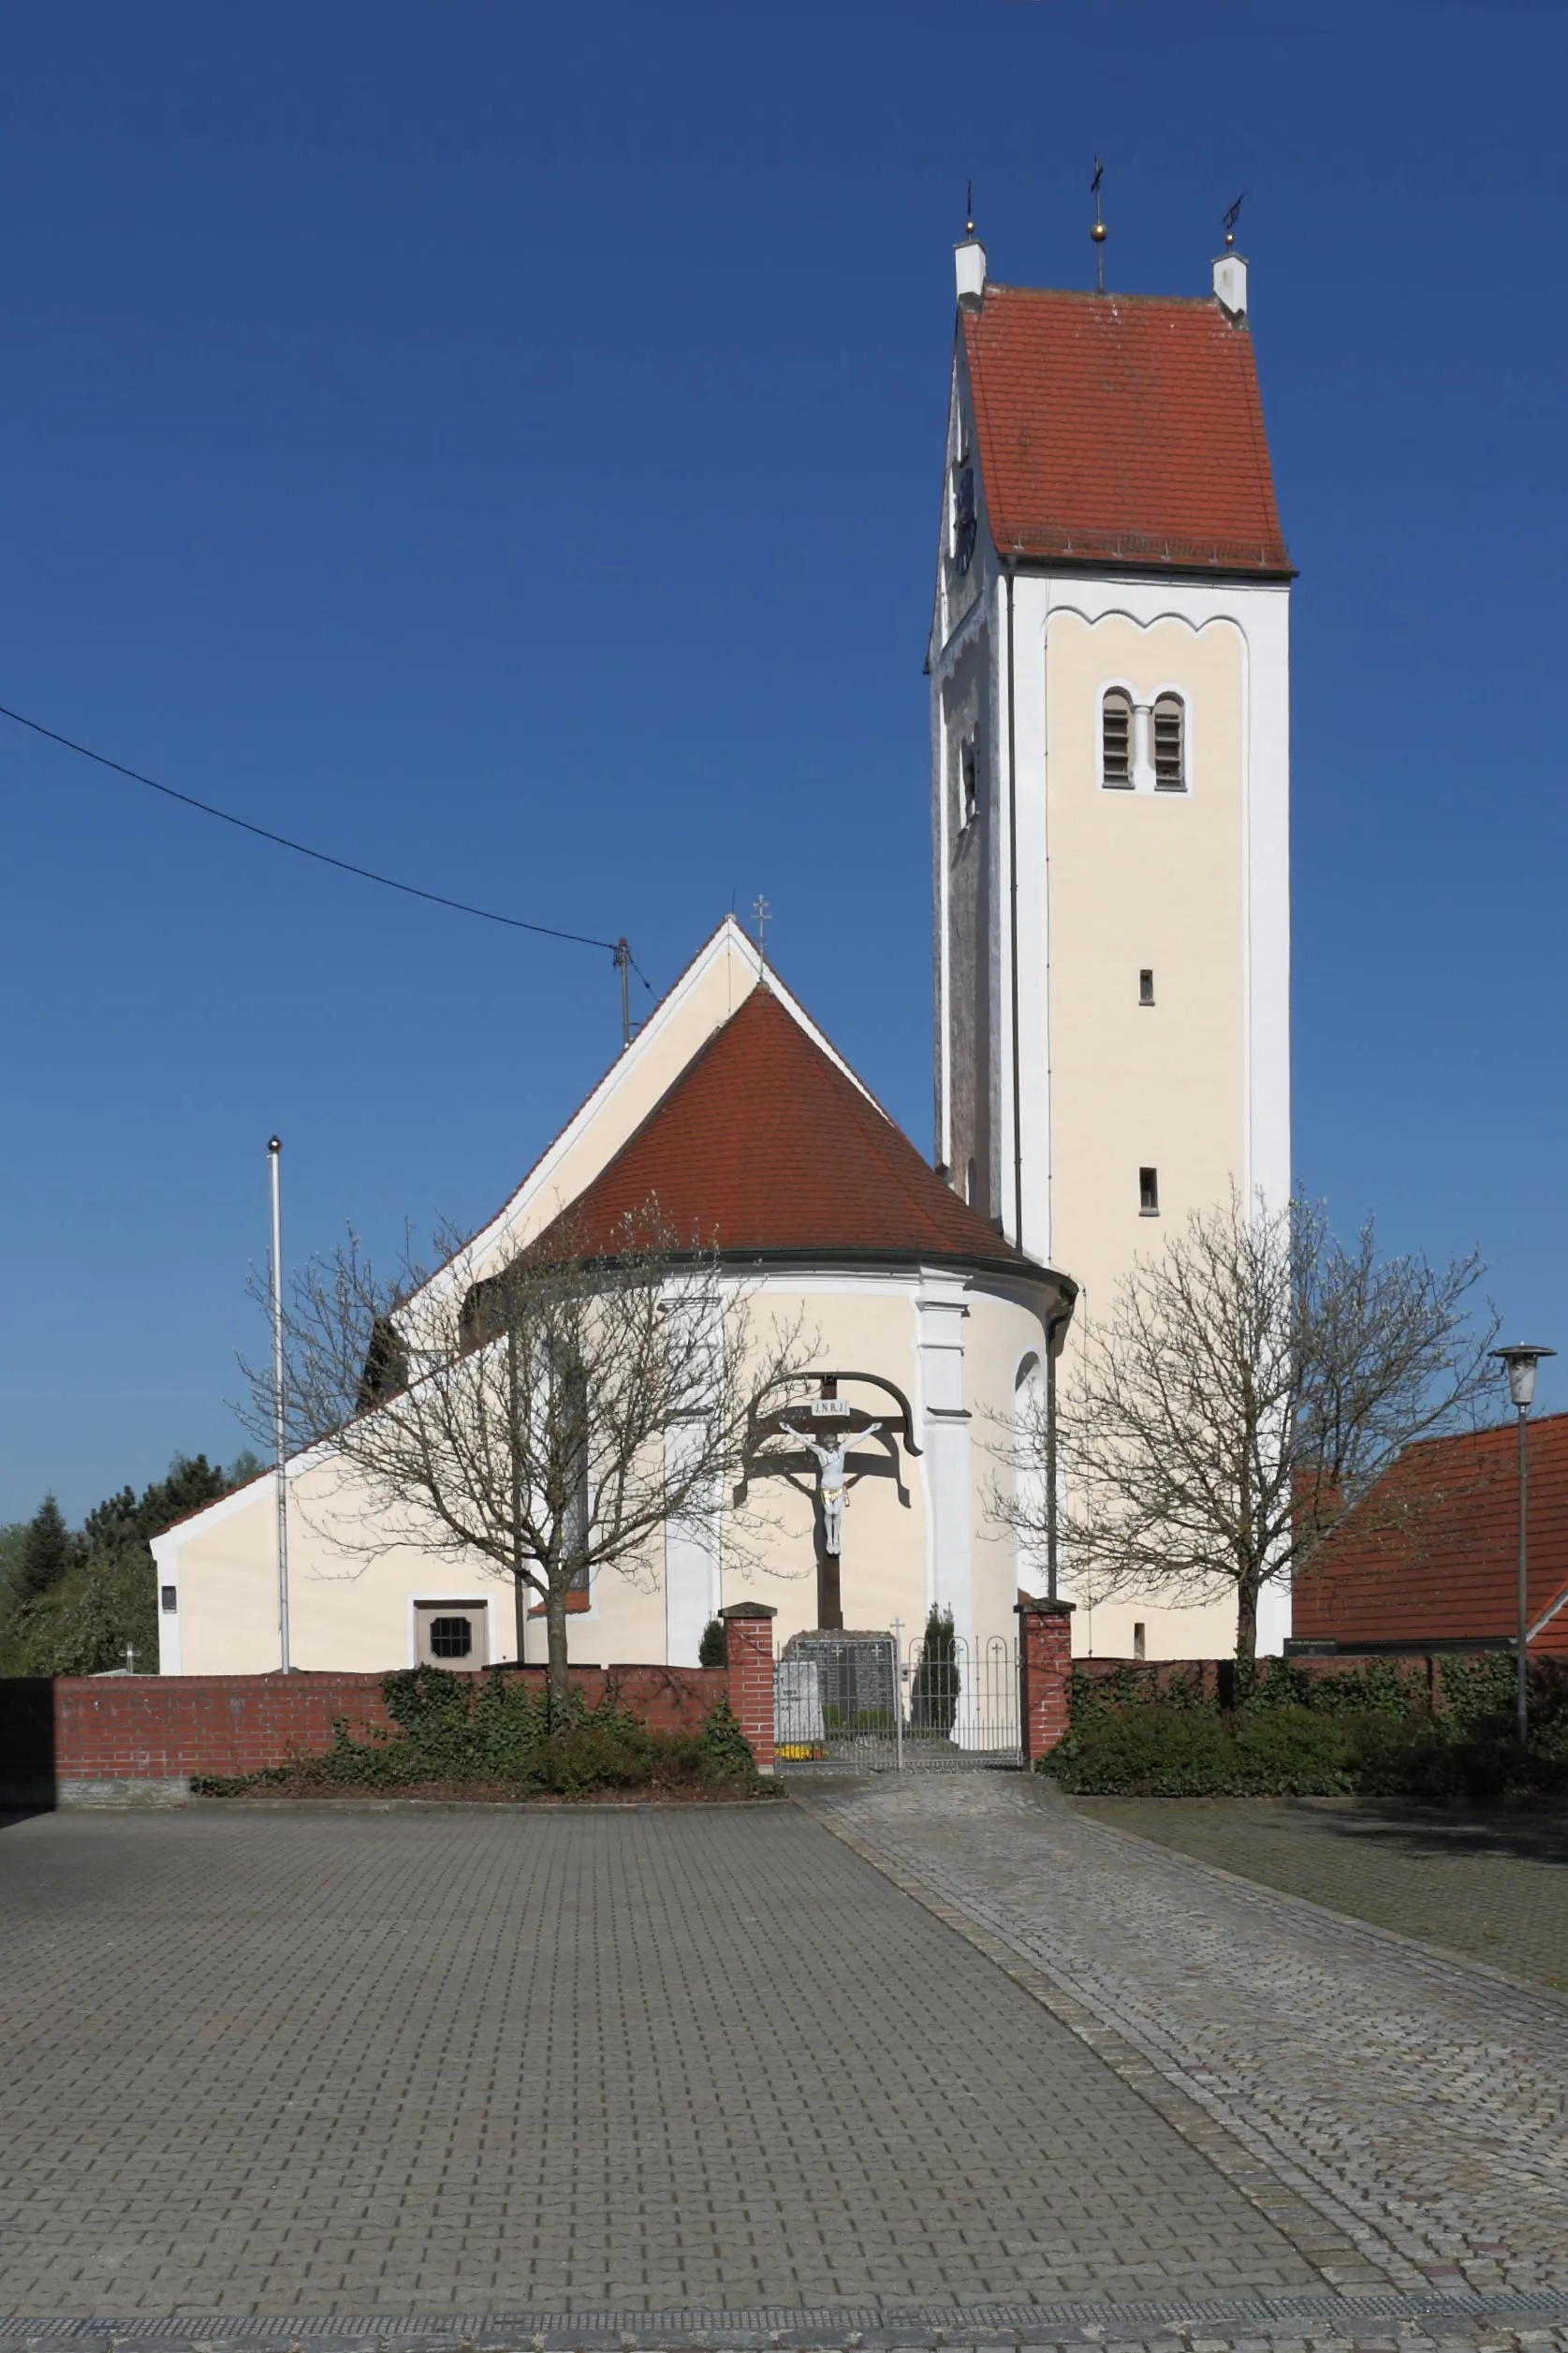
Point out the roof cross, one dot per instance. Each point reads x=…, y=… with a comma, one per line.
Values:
x=761, y=910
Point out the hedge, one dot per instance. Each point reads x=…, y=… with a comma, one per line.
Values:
x=489, y=1732
x=1288, y=1731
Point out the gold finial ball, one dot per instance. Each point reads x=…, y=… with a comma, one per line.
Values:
x=1099, y=233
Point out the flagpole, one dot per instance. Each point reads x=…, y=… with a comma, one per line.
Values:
x=275, y=1161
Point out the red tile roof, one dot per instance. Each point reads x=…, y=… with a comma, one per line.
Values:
x=1445, y=1566
x=1115, y=427
x=763, y=1145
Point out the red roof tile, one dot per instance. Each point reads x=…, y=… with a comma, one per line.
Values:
x=1116, y=427
x=763, y=1145
x=1443, y=1566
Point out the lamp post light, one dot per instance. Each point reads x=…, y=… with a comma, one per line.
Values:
x=1521, y=1364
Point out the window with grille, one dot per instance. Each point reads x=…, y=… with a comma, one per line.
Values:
x=450, y=1638
x=1149, y=1192
x=1116, y=737
x=1170, y=744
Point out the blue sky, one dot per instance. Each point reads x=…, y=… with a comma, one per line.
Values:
x=503, y=445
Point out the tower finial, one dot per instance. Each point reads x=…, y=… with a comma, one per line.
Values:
x=969, y=210
x=1099, y=233
x=1229, y=224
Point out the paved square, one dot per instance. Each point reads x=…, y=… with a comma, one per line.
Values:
x=350, y=2061
x=1418, y=2101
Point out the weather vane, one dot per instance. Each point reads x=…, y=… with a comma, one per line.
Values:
x=1099, y=233
x=1230, y=220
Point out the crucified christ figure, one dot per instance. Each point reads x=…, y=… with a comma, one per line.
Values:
x=830, y=1478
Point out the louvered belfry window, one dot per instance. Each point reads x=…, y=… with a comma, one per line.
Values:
x=1116, y=723
x=1171, y=747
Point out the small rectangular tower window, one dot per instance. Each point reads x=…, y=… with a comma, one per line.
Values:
x=169, y=1597
x=969, y=787
x=1140, y=1640
x=1170, y=748
x=1149, y=1192
x=1146, y=988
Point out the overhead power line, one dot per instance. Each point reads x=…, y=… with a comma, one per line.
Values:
x=617, y=949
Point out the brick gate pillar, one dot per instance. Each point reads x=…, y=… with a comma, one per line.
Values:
x=1045, y=1668
x=749, y=1661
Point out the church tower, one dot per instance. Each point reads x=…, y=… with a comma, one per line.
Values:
x=1110, y=766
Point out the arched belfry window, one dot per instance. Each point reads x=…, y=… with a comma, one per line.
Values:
x=1170, y=744
x=1116, y=737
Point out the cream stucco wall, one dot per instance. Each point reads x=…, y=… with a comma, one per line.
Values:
x=1142, y=881
x=916, y=1528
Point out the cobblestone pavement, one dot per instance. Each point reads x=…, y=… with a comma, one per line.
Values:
x=1351, y=2330
x=477, y=2060
x=1414, y=2099
x=1493, y=1885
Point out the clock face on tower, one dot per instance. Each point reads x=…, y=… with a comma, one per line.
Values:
x=963, y=516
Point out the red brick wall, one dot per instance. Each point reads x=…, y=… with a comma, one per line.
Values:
x=166, y=1727
x=1045, y=1668
x=749, y=1655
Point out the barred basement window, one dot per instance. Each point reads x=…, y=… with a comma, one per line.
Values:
x=1149, y=1192
x=1170, y=744
x=451, y=1637
x=1116, y=738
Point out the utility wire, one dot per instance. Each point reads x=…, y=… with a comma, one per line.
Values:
x=323, y=858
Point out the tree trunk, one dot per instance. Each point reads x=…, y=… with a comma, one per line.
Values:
x=1246, y=1621
x=555, y=1628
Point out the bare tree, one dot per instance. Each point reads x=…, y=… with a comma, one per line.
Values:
x=1248, y=1391
x=555, y=1415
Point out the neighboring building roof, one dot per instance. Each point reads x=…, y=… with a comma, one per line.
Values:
x=1116, y=427
x=1432, y=1554
x=764, y=1147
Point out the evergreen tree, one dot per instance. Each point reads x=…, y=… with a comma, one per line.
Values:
x=47, y=1551
x=712, y=1650
x=933, y=1698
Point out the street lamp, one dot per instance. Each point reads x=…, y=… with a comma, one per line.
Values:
x=1521, y=1364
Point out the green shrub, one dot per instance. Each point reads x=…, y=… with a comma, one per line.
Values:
x=713, y=1649
x=726, y=1753
x=491, y=1733
x=933, y=1692
x=1179, y=1752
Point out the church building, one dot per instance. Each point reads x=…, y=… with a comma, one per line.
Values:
x=1110, y=773
x=1109, y=676
x=733, y=1112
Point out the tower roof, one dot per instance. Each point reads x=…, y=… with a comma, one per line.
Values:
x=1115, y=428
x=763, y=1147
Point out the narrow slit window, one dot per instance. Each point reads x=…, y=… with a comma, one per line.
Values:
x=1140, y=1640
x=1146, y=988
x=1170, y=744
x=1149, y=1192
x=1116, y=738
x=969, y=790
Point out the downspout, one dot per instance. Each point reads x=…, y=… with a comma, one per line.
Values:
x=1013, y=917
x=1056, y=1335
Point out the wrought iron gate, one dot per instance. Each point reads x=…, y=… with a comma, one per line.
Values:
x=877, y=1705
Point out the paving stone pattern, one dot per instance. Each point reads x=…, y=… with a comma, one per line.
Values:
x=1492, y=1886
x=1415, y=2100
x=473, y=2060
